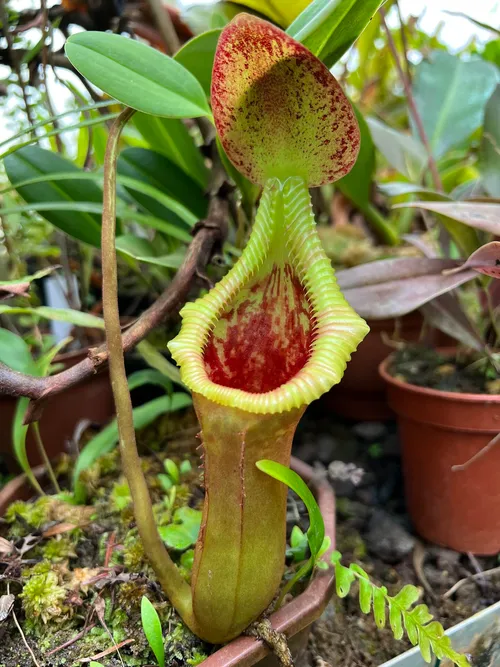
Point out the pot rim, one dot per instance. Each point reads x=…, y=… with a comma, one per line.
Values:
x=436, y=393
x=295, y=616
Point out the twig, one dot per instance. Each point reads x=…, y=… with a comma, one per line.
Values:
x=112, y=649
x=404, y=41
x=73, y=640
x=478, y=455
x=165, y=26
x=471, y=577
x=208, y=236
x=412, y=105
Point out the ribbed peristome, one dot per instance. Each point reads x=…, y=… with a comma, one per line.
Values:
x=284, y=232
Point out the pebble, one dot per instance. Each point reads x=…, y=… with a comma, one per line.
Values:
x=370, y=431
x=387, y=538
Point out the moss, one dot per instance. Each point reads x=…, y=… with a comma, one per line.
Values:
x=59, y=549
x=134, y=557
x=34, y=514
x=43, y=598
x=120, y=498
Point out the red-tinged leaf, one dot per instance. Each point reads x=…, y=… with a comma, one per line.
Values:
x=484, y=216
x=278, y=110
x=485, y=260
x=395, y=287
x=15, y=289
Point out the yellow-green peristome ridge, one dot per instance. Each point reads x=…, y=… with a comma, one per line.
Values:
x=284, y=232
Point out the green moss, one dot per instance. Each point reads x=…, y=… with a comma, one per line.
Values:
x=120, y=497
x=59, y=549
x=43, y=598
x=35, y=514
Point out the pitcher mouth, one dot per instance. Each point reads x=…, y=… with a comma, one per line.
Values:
x=275, y=333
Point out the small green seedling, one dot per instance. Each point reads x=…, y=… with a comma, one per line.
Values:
x=173, y=473
x=151, y=625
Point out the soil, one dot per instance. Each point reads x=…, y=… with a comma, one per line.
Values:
x=464, y=373
x=362, y=461
x=104, y=573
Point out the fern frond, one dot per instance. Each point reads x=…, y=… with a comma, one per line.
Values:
x=416, y=621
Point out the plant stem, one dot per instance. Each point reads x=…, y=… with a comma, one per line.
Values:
x=165, y=26
x=45, y=458
x=412, y=105
x=380, y=225
x=170, y=579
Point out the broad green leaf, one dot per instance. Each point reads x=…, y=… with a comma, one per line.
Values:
x=357, y=184
x=32, y=162
x=167, y=205
x=88, y=207
x=156, y=360
x=151, y=625
x=403, y=152
x=451, y=95
x=137, y=75
x=287, y=132
x=489, y=159
x=15, y=353
x=183, y=532
x=75, y=317
x=157, y=171
x=145, y=251
x=170, y=137
x=148, y=376
x=407, y=596
x=316, y=531
x=107, y=439
x=198, y=55
x=329, y=27
x=172, y=470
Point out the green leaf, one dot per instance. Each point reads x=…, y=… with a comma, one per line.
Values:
x=357, y=184
x=185, y=467
x=298, y=545
x=316, y=531
x=344, y=577
x=411, y=629
x=425, y=647
x=97, y=120
x=156, y=360
x=365, y=595
x=75, y=317
x=156, y=170
x=407, y=596
x=145, y=251
x=167, y=205
x=151, y=625
x=148, y=376
x=107, y=439
x=439, y=86
x=15, y=353
x=137, y=75
x=329, y=27
x=172, y=470
x=198, y=55
x=171, y=138
x=379, y=606
x=183, y=532
x=33, y=162
x=395, y=620
x=19, y=432
x=489, y=158
x=404, y=153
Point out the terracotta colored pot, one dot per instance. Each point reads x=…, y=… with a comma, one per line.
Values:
x=294, y=619
x=92, y=399
x=362, y=393
x=439, y=430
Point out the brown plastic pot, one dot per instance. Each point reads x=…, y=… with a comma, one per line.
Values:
x=460, y=508
x=294, y=619
x=362, y=393
x=92, y=400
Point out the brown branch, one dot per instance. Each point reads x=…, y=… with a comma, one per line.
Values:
x=208, y=237
x=412, y=104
